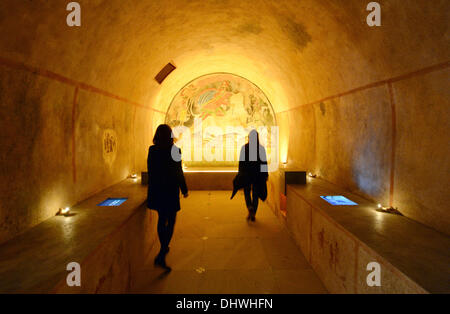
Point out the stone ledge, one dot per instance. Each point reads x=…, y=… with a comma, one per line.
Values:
x=101, y=239
x=210, y=179
x=339, y=241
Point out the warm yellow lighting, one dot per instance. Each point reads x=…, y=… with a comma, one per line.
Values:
x=210, y=171
x=64, y=211
x=388, y=210
x=192, y=64
x=134, y=175
x=283, y=138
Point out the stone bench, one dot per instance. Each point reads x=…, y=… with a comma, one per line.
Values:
x=216, y=179
x=340, y=241
x=109, y=243
x=207, y=179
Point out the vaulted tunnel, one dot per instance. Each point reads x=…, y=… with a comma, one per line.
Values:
x=365, y=109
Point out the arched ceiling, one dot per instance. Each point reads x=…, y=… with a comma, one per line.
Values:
x=94, y=77
x=296, y=51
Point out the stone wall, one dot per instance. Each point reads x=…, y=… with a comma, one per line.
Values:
x=113, y=267
x=364, y=107
x=386, y=143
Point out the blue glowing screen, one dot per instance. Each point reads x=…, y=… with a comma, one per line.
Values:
x=338, y=200
x=113, y=202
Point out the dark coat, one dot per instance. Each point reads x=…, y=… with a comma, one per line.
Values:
x=252, y=172
x=165, y=179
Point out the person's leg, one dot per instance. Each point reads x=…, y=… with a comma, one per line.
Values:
x=160, y=259
x=162, y=231
x=162, y=234
x=248, y=201
x=254, y=203
x=171, y=218
x=248, y=198
x=255, y=199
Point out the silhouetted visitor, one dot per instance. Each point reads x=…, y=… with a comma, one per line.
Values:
x=165, y=180
x=252, y=175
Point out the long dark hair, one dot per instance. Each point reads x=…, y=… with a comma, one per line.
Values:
x=254, y=149
x=253, y=136
x=163, y=136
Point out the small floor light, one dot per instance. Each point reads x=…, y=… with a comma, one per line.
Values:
x=388, y=210
x=64, y=211
x=134, y=177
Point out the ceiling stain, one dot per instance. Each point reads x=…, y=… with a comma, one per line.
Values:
x=249, y=28
x=322, y=108
x=295, y=31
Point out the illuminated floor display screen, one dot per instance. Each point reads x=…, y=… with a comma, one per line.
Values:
x=113, y=202
x=338, y=200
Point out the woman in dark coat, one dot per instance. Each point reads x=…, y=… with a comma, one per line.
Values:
x=165, y=180
x=253, y=173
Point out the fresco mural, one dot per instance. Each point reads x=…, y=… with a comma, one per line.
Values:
x=221, y=100
x=110, y=144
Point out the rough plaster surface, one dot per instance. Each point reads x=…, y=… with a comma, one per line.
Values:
x=353, y=142
x=423, y=150
x=299, y=219
x=344, y=239
x=36, y=150
x=333, y=255
x=298, y=53
x=110, y=244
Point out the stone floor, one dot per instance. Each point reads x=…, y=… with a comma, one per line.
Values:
x=215, y=250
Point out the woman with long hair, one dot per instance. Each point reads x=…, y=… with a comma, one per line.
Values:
x=165, y=180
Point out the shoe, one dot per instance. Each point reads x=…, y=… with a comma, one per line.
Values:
x=161, y=262
x=250, y=211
